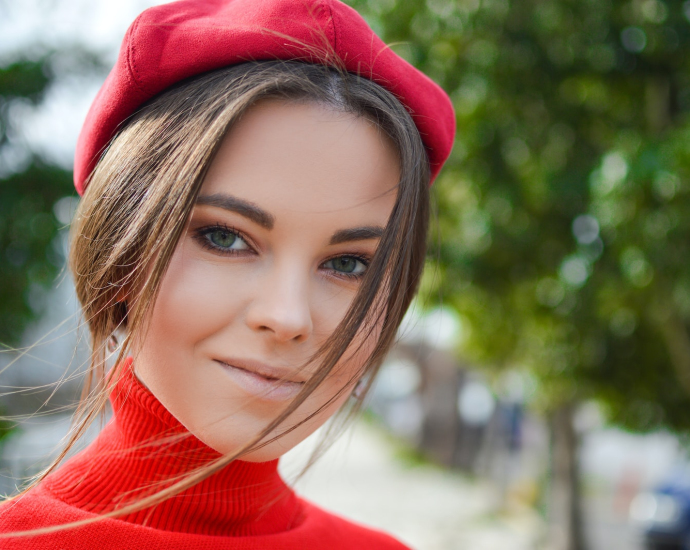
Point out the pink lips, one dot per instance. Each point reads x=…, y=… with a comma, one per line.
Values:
x=262, y=381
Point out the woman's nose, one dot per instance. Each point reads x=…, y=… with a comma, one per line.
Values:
x=282, y=307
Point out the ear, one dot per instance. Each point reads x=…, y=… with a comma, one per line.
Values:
x=122, y=293
x=359, y=388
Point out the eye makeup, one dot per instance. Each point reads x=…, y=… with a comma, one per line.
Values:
x=223, y=239
x=227, y=240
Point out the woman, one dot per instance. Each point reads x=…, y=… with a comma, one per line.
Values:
x=252, y=228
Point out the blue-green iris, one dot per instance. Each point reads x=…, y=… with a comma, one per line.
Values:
x=222, y=239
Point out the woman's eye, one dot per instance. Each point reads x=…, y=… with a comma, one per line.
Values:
x=346, y=265
x=225, y=239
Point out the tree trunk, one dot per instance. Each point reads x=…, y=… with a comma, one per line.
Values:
x=658, y=103
x=677, y=341
x=565, y=515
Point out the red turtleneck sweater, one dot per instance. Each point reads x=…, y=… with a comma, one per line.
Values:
x=245, y=506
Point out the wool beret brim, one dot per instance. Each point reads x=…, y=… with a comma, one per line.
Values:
x=176, y=41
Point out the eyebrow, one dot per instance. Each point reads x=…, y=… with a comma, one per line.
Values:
x=244, y=208
x=357, y=234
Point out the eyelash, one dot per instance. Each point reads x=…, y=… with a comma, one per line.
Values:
x=351, y=276
x=200, y=235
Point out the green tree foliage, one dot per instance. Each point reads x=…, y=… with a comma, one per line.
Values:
x=29, y=188
x=564, y=212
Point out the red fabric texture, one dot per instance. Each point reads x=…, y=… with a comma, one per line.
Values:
x=174, y=41
x=243, y=506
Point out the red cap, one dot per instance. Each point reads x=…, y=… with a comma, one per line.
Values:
x=174, y=41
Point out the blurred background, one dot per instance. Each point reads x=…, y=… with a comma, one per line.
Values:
x=539, y=395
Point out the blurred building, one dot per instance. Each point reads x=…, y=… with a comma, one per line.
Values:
x=447, y=411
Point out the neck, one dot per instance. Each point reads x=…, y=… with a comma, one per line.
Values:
x=144, y=449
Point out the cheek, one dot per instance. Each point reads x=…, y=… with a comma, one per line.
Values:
x=353, y=363
x=329, y=304
x=197, y=298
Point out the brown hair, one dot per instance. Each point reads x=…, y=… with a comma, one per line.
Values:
x=142, y=191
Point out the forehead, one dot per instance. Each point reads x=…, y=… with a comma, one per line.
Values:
x=306, y=158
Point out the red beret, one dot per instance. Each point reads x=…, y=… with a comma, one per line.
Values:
x=174, y=41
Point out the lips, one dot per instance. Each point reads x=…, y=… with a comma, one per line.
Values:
x=262, y=381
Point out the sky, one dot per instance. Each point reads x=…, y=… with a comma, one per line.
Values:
x=28, y=27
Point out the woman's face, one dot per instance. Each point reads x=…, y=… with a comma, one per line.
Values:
x=285, y=225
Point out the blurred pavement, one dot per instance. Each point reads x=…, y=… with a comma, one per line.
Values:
x=361, y=478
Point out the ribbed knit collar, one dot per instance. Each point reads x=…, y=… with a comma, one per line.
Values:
x=145, y=445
